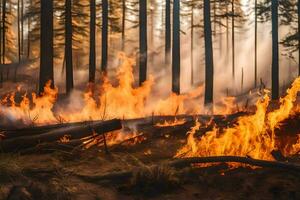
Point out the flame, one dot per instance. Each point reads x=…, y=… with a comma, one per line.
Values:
x=167, y=123
x=39, y=112
x=252, y=135
x=115, y=137
x=65, y=139
x=118, y=99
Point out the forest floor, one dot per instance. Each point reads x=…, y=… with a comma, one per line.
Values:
x=56, y=175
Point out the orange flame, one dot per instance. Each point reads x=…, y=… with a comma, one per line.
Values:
x=250, y=137
x=167, y=123
x=120, y=100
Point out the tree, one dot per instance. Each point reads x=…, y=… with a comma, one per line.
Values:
x=123, y=23
x=3, y=31
x=69, y=46
x=143, y=54
x=168, y=31
x=104, y=35
x=192, y=45
x=209, y=64
x=176, y=48
x=275, y=51
x=92, y=57
x=46, y=50
x=233, y=38
x=255, y=43
x=298, y=28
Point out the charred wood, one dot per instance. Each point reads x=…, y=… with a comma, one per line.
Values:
x=75, y=132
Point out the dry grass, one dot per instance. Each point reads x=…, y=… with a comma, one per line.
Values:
x=152, y=181
x=10, y=165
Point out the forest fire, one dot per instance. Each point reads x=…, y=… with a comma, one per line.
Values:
x=253, y=136
x=121, y=101
x=149, y=99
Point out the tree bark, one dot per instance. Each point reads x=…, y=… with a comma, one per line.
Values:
x=92, y=57
x=209, y=63
x=46, y=50
x=69, y=46
x=143, y=54
x=176, y=48
x=104, y=35
x=275, y=51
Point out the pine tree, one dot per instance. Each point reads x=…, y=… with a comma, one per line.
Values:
x=209, y=64
x=46, y=50
x=143, y=54
x=176, y=48
x=69, y=46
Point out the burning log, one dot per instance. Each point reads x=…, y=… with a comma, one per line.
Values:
x=10, y=132
x=75, y=132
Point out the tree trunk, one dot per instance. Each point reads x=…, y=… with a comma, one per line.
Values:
x=46, y=57
x=143, y=54
x=215, y=18
x=19, y=32
x=68, y=46
x=104, y=35
x=227, y=35
x=192, y=46
x=3, y=30
x=29, y=32
x=19, y=38
x=275, y=51
x=298, y=5
x=233, y=39
x=209, y=63
x=168, y=32
x=123, y=23
x=92, y=57
x=22, y=27
x=255, y=46
x=176, y=48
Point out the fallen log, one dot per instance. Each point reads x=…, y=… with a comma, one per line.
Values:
x=75, y=132
x=13, y=132
x=186, y=162
x=9, y=133
x=202, y=118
